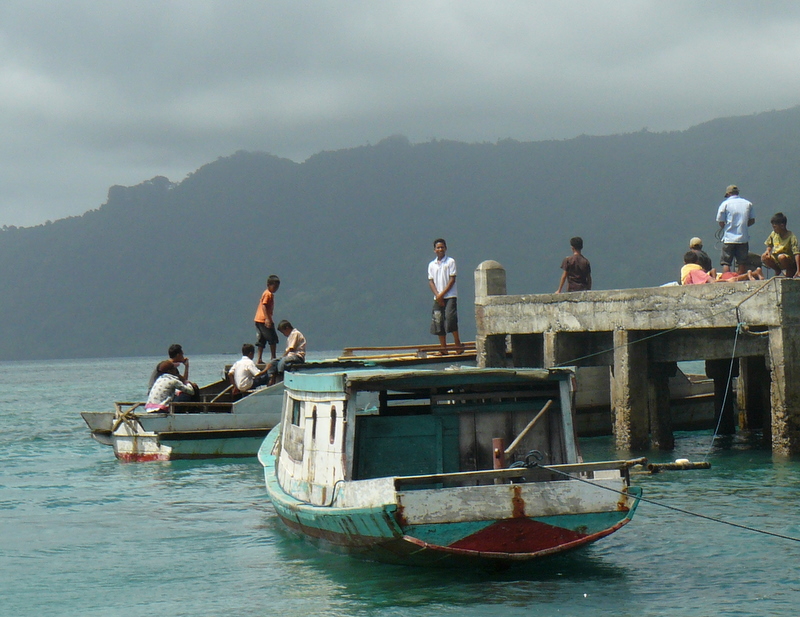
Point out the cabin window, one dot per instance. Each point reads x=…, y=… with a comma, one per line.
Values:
x=296, y=412
x=314, y=422
x=333, y=424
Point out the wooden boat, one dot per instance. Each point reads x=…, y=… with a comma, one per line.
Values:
x=409, y=465
x=225, y=425
x=220, y=424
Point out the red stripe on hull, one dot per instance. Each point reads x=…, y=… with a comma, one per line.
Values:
x=141, y=458
x=413, y=551
x=519, y=535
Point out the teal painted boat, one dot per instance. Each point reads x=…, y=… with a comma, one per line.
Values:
x=432, y=466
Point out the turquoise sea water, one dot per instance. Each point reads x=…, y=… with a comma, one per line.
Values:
x=82, y=534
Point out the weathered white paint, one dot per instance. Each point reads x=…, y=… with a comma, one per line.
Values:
x=491, y=502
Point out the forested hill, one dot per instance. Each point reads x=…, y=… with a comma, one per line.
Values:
x=350, y=234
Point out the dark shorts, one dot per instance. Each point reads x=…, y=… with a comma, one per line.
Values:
x=266, y=336
x=445, y=318
x=734, y=251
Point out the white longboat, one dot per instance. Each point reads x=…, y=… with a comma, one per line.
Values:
x=219, y=424
x=224, y=424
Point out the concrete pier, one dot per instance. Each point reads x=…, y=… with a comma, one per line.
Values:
x=640, y=335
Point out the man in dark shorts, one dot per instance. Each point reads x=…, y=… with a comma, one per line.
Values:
x=442, y=282
x=735, y=215
x=577, y=271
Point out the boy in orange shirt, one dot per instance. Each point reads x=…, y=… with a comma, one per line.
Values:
x=263, y=319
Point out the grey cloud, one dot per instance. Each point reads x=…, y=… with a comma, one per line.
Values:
x=97, y=93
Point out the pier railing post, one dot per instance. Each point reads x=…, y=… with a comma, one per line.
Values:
x=490, y=280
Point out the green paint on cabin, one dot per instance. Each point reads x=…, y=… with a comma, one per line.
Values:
x=406, y=446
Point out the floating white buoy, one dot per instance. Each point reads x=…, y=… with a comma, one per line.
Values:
x=682, y=461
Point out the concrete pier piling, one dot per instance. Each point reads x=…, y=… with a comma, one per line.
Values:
x=640, y=335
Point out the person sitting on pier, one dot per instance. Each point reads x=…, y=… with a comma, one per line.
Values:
x=577, y=271
x=782, y=254
x=244, y=374
x=165, y=387
x=693, y=274
x=295, y=352
x=696, y=246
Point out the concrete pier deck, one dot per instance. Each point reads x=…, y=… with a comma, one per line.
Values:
x=640, y=334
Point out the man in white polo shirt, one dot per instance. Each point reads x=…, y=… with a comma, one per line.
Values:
x=442, y=281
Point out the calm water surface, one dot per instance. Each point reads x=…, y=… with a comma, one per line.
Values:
x=82, y=534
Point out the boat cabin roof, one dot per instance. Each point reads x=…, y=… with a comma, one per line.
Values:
x=421, y=377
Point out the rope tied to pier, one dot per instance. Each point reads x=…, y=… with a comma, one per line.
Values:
x=739, y=328
x=530, y=461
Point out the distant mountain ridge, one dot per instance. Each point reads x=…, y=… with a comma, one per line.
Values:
x=350, y=234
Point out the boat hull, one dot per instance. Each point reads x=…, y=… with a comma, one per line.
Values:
x=236, y=430
x=138, y=446
x=500, y=524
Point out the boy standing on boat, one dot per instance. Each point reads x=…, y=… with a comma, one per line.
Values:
x=244, y=374
x=263, y=319
x=442, y=281
x=577, y=271
x=295, y=351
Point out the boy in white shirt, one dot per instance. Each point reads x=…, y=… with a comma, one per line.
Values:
x=442, y=281
x=295, y=352
x=244, y=374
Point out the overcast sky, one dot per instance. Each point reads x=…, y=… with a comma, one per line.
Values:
x=95, y=92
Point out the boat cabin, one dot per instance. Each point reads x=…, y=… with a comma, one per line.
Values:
x=363, y=423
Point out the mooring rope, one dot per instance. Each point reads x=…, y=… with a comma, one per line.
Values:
x=668, y=507
x=727, y=391
x=740, y=327
x=127, y=416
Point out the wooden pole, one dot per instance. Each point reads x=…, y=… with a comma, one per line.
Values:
x=498, y=453
x=525, y=431
x=214, y=400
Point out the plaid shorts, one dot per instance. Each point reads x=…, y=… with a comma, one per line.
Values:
x=444, y=319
